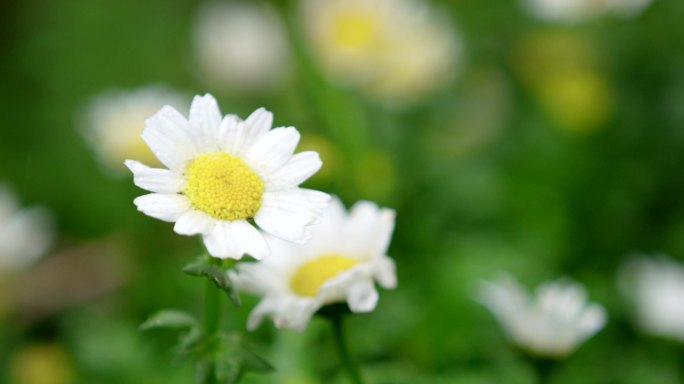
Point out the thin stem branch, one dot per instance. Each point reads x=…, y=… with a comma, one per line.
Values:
x=345, y=359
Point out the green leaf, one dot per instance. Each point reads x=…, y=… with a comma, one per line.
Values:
x=215, y=274
x=253, y=362
x=228, y=370
x=169, y=319
x=189, y=342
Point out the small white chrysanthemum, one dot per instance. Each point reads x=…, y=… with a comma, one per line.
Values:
x=242, y=45
x=115, y=119
x=341, y=263
x=573, y=11
x=394, y=49
x=552, y=324
x=25, y=234
x=657, y=287
x=224, y=172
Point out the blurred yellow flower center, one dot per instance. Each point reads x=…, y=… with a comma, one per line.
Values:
x=354, y=28
x=223, y=186
x=309, y=278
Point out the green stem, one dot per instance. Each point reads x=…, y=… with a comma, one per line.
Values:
x=545, y=369
x=212, y=308
x=345, y=359
x=212, y=318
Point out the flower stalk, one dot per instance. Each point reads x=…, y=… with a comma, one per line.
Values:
x=347, y=363
x=212, y=308
x=544, y=368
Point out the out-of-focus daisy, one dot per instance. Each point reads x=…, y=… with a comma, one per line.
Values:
x=573, y=11
x=564, y=71
x=242, y=46
x=394, y=49
x=224, y=172
x=115, y=119
x=341, y=263
x=656, y=286
x=552, y=323
x=25, y=233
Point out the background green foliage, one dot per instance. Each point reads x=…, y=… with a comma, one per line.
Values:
x=484, y=179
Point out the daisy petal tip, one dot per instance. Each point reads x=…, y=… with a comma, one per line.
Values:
x=303, y=238
x=131, y=164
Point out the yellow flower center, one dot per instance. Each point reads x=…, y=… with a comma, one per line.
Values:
x=223, y=186
x=355, y=28
x=309, y=278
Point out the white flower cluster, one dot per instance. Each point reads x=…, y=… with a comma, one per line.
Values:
x=236, y=183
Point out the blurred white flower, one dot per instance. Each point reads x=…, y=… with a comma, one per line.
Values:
x=657, y=287
x=574, y=11
x=242, y=46
x=551, y=324
x=344, y=258
x=25, y=233
x=222, y=172
x=393, y=49
x=115, y=119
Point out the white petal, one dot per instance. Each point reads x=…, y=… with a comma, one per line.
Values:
x=362, y=296
x=166, y=207
x=237, y=137
x=193, y=222
x=253, y=243
x=286, y=312
x=371, y=227
x=257, y=124
x=272, y=150
x=385, y=272
x=205, y=118
x=155, y=179
x=232, y=239
x=257, y=315
x=299, y=168
x=286, y=214
x=167, y=135
x=229, y=133
x=593, y=319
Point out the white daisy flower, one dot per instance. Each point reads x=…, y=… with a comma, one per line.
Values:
x=551, y=324
x=344, y=258
x=223, y=173
x=115, y=119
x=242, y=45
x=574, y=11
x=393, y=49
x=25, y=233
x=656, y=286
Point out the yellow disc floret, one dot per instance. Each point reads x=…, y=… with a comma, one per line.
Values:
x=355, y=29
x=312, y=275
x=223, y=186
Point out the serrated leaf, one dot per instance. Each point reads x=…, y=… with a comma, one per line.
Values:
x=169, y=319
x=217, y=275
